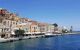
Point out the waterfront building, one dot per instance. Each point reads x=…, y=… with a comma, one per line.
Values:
x=43, y=27
x=34, y=29
x=2, y=27
x=50, y=28
x=26, y=28
x=4, y=31
x=24, y=24
x=9, y=26
x=9, y=23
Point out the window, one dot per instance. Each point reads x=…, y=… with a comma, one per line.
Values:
x=8, y=22
x=26, y=29
x=4, y=23
x=13, y=22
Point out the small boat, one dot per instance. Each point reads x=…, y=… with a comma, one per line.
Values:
x=49, y=35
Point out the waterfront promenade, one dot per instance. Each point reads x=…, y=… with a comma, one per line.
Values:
x=2, y=40
x=18, y=38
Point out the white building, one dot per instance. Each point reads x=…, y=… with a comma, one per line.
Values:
x=50, y=28
x=9, y=25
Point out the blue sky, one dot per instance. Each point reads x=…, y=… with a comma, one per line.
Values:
x=62, y=12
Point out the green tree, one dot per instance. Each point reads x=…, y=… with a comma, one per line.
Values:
x=19, y=32
x=55, y=25
x=64, y=31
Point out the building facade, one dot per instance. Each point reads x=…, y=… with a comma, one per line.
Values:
x=50, y=28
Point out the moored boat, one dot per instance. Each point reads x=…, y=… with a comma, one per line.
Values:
x=49, y=35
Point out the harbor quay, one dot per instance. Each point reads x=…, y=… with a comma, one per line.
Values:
x=3, y=40
x=12, y=39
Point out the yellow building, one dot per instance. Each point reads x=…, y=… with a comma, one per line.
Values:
x=34, y=29
x=24, y=24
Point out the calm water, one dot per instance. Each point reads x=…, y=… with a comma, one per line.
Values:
x=66, y=42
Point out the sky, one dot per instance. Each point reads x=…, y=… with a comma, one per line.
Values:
x=63, y=12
